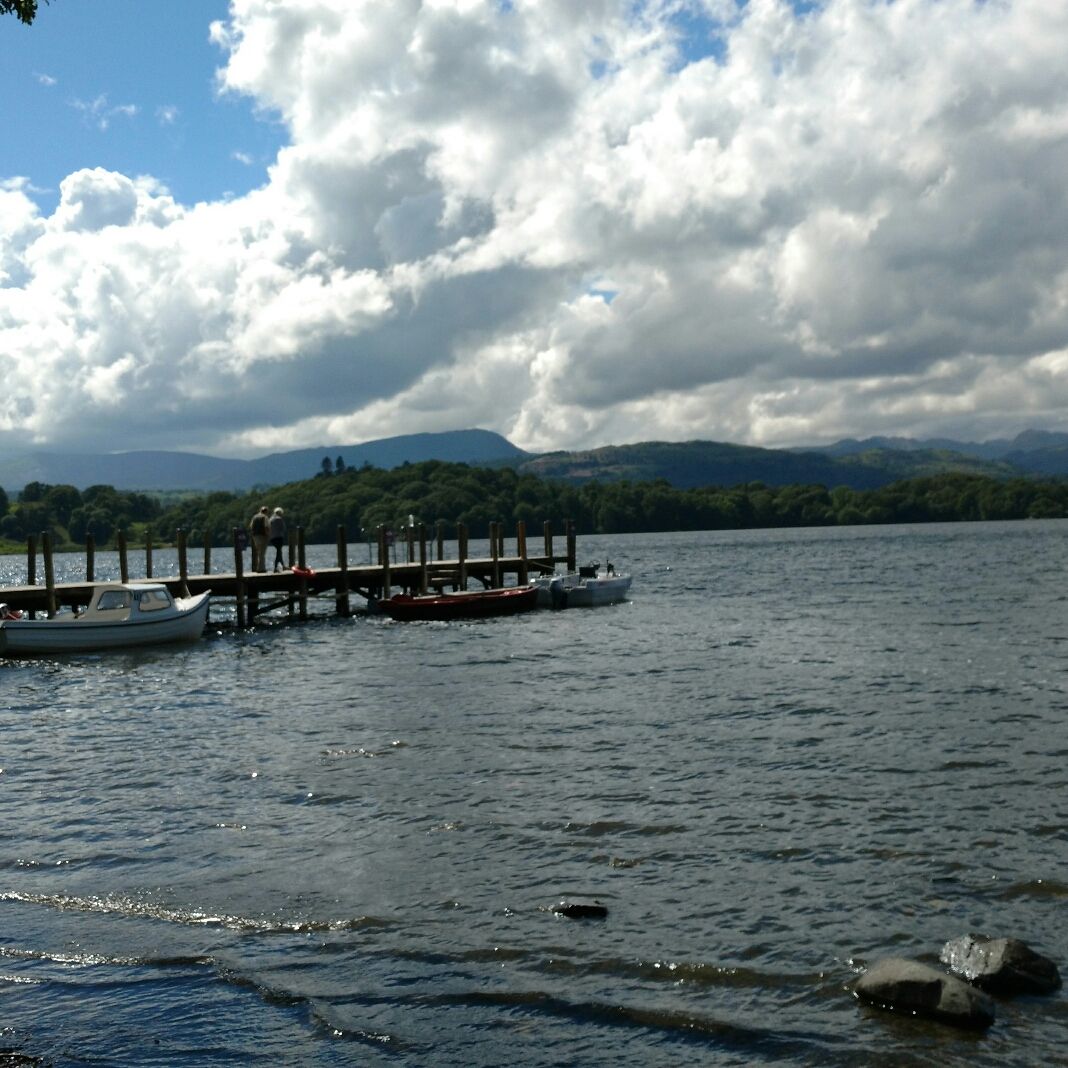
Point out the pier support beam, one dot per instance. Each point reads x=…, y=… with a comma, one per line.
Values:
x=422, y=558
x=50, y=572
x=239, y=575
x=461, y=553
x=342, y=601
x=302, y=584
x=31, y=565
x=124, y=565
x=90, y=558
x=495, y=552
x=523, y=575
x=183, y=562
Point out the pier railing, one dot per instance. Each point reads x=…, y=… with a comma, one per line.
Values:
x=418, y=569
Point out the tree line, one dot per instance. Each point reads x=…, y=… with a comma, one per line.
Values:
x=361, y=499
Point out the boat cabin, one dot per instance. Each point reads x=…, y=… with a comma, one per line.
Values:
x=117, y=602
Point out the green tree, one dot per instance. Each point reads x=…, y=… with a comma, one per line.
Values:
x=4, y=502
x=25, y=10
x=62, y=500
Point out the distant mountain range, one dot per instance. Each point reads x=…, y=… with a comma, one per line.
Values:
x=192, y=471
x=865, y=464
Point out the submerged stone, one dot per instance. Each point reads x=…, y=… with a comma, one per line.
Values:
x=1003, y=966
x=581, y=910
x=907, y=986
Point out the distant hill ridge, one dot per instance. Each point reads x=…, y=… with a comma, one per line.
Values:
x=866, y=464
x=192, y=471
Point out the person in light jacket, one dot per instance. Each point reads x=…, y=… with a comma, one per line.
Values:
x=278, y=537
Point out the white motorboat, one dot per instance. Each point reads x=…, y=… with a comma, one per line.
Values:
x=119, y=616
x=589, y=587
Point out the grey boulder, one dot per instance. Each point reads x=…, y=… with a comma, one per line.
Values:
x=907, y=986
x=1002, y=966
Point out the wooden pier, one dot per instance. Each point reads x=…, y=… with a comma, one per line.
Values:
x=420, y=570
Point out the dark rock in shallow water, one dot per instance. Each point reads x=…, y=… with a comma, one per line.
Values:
x=907, y=986
x=580, y=910
x=1001, y=965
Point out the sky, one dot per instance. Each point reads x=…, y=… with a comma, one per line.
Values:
x=247, y=226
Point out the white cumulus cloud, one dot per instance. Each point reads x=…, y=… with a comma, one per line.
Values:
x=574, y=224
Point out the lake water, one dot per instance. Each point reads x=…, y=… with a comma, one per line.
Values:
x=792, y=753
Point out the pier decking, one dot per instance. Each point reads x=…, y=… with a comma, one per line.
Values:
x=256, y=592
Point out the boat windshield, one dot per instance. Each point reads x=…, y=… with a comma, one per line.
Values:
x=111, y=599
x=153, y=600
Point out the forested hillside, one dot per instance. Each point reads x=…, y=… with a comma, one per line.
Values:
x=431, y=491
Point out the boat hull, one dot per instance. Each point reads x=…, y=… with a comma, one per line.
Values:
x=471, y=604
x=576, y=591
x=27, y=637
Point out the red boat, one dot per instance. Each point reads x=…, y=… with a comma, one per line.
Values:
x=465, y=604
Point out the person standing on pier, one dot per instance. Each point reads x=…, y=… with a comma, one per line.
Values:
x=278, y=537
x=258, y=528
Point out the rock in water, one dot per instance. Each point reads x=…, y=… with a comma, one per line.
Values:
x=1001, y=965
x=581, y=910
x=907, y=986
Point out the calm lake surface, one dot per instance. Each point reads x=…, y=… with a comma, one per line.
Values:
x=792, y=753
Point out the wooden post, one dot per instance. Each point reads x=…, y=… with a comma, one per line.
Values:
x=440, y=531
x=207, y=552
x=422, y=558
x=495, y=554
x=90, y=558
x=547, y=534
x=461, y=552
x=342, y=602
x=183, y=562
x=523, y=577
x=571, y=545
x=148, y=552
x=239, y=574
x=411, y=543
x=500, y=537
x=50, y=572
x=302, y=583
x=124, y=567
x=386, y=585
x=291, y=555
x=31, y=565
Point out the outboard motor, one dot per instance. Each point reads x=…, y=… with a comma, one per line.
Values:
x=557, y=593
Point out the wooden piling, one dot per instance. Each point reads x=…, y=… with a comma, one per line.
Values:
x=302, y=583
x=547, y=534
x=422, y=558
x=239, y=575
x=31, y=565
x=124, y=566
x=207, y=552
x=383, y=561
x=148, y=552
x=50, y=572
x=183, y=562
x=410, y=532
x=291, y=556
x=342, y=602
x=523, y=575
x=461, y=553
x=571, y=553
x=90, y=558
x=495, y=554
x=440, y=532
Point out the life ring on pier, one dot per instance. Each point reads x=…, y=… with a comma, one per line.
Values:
x=302, y=572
